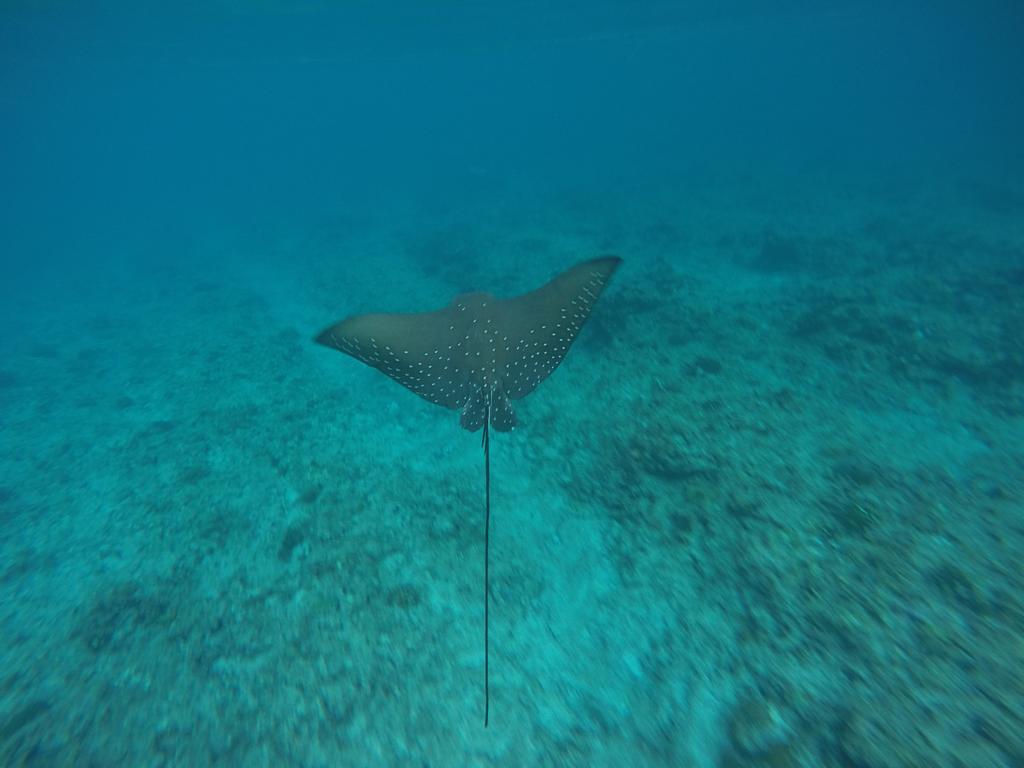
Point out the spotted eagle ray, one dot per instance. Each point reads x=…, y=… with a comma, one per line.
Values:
x=478, y=354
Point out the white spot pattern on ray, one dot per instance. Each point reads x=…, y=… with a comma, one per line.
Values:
x=479, y=352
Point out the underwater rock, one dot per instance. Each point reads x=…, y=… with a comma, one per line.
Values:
x=116, y=614
x=758, y=734
x=662, y=454
x=310, y=495
x=293, y=537
x=707, y=365
x=403, y=596
x=193, y=475
x=22, y=717
x=778, y=255
x=957, y=587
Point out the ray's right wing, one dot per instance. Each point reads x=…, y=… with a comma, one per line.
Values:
x=540, y=326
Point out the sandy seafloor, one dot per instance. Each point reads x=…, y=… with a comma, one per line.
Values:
x=767, y=513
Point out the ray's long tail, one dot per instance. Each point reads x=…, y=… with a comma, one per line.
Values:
x=486, y=441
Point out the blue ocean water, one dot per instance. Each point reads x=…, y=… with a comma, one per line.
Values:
x=767, y=512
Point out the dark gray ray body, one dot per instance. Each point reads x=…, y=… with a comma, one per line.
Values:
x=479, y=352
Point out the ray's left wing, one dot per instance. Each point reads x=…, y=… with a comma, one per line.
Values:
x=415, y=349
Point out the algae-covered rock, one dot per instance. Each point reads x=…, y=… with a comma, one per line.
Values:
x=757, y=727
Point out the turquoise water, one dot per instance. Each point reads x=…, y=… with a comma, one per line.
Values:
x=767, y=512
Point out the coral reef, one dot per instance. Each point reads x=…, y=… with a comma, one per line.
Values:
x=767, y=514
